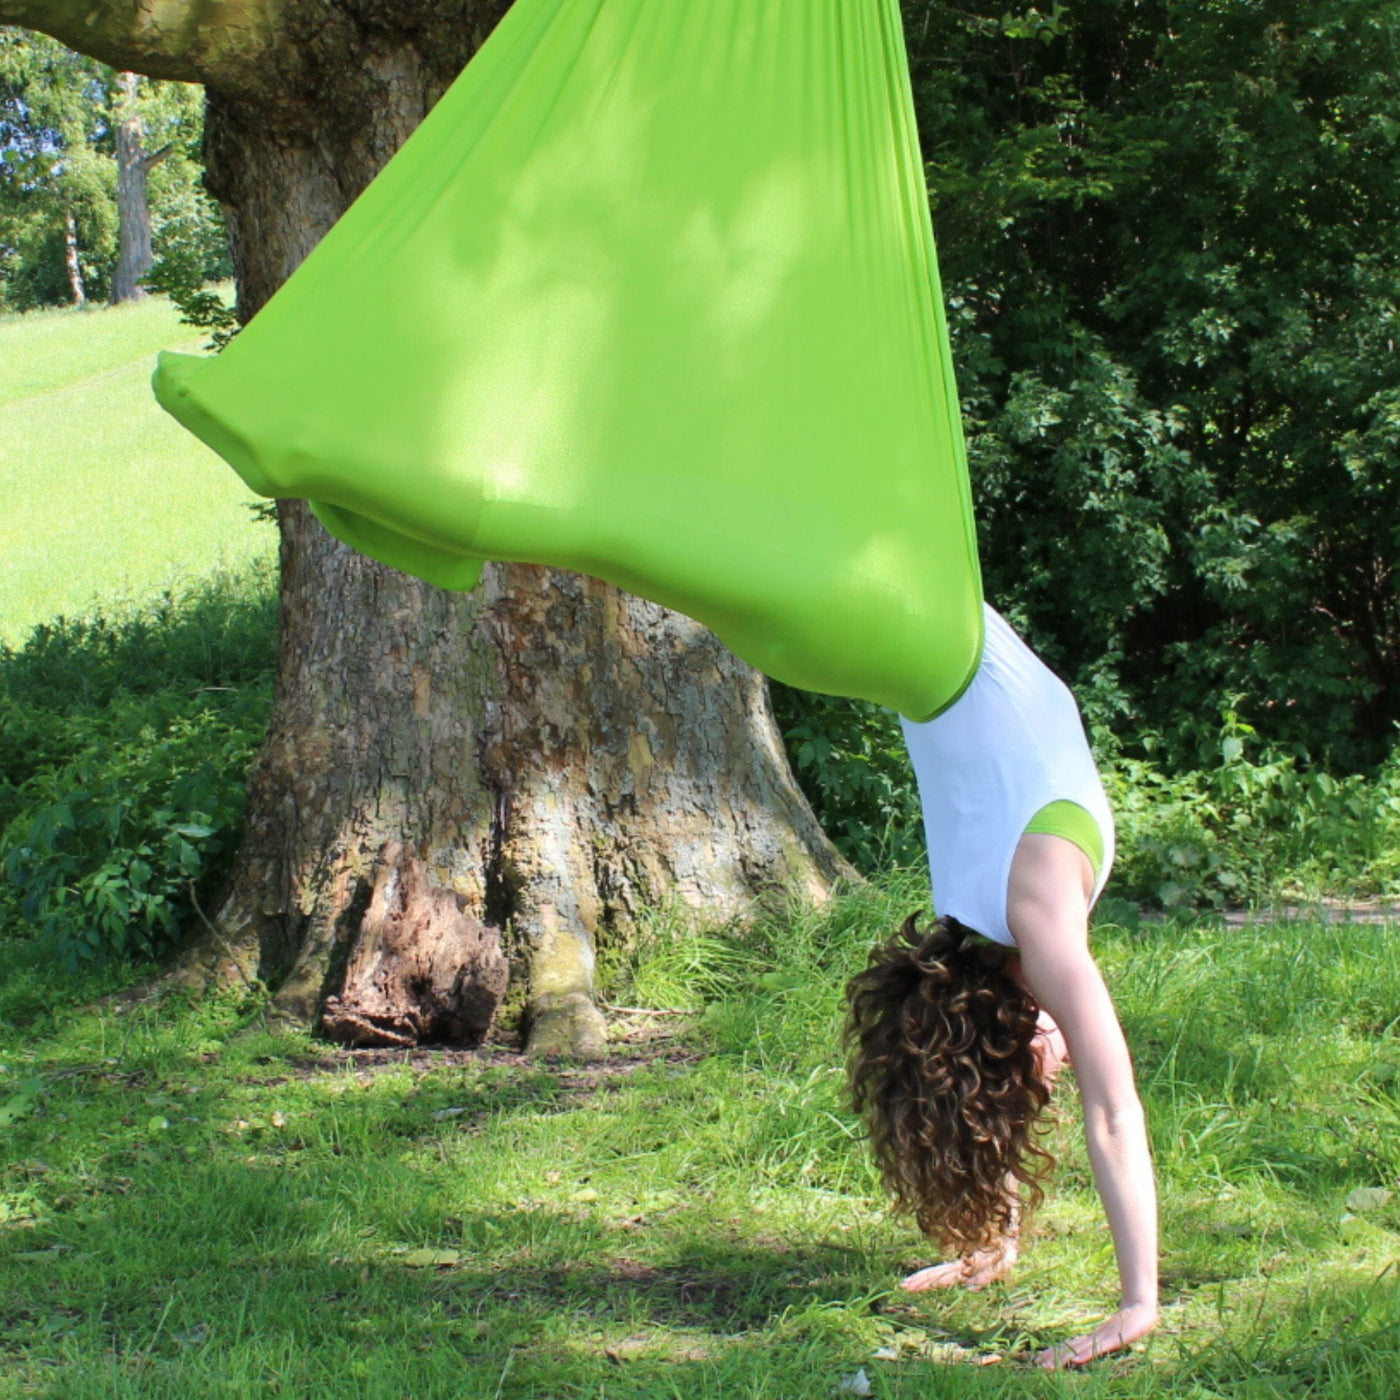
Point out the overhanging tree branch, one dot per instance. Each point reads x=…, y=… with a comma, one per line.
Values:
x=216, y=42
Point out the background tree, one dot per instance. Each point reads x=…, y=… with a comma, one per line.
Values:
x=57, y=220
x=99, y=174
x=134, y=165
x=552, y=754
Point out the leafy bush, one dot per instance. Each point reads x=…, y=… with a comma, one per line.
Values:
x=1170, y=242
x=123, y=747
x=849, y=757
x=1259, y=824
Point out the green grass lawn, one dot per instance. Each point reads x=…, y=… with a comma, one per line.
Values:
x=191, y=1206
x=104, y=498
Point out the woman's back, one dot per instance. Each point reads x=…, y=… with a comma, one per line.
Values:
x=1009, y=746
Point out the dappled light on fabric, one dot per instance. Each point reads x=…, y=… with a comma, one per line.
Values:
x=650, y=294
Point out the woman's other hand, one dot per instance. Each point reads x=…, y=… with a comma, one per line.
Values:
x=975, y=1271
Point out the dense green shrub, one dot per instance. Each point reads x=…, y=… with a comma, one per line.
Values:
x=1258, y=824
x=850, y=760
x=1170, y=239
x=123, y=747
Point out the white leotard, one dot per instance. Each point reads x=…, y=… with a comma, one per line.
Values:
x=1009, y=745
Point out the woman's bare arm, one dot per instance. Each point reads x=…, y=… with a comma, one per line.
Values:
x=1048, y=915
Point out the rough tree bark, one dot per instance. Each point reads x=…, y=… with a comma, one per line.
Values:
x=133, y=201
x=560, y=754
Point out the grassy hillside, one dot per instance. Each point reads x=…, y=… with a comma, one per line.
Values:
x=103, y=496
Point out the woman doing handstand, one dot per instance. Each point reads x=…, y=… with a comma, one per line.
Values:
x=957, y=1032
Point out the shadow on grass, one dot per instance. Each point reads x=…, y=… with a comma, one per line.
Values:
x=696, y=1317
x=705, y=1303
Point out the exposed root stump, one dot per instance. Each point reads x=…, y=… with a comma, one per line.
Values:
x=420, y=967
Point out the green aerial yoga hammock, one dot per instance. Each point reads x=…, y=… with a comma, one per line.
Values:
x=649, y=294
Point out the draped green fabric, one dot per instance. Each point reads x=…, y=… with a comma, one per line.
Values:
x=649, y=294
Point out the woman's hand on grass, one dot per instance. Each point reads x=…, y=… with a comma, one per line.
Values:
x=976, y=1271
x=984, y=1266
x=1123, y=1328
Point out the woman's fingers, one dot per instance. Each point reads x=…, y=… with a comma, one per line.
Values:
x=975, y=1272
x=1114, y=1333
x=937, y=1276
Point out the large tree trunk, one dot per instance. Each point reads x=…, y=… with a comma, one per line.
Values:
x=561, y=755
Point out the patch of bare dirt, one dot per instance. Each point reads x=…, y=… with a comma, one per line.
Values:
x=1327, y=911
x=427, y=1059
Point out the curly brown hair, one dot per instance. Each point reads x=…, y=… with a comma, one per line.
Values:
x=942, y=1072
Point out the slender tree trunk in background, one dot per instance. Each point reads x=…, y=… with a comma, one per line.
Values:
x=134, y=256
x=531, y=765
x=75, y=272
